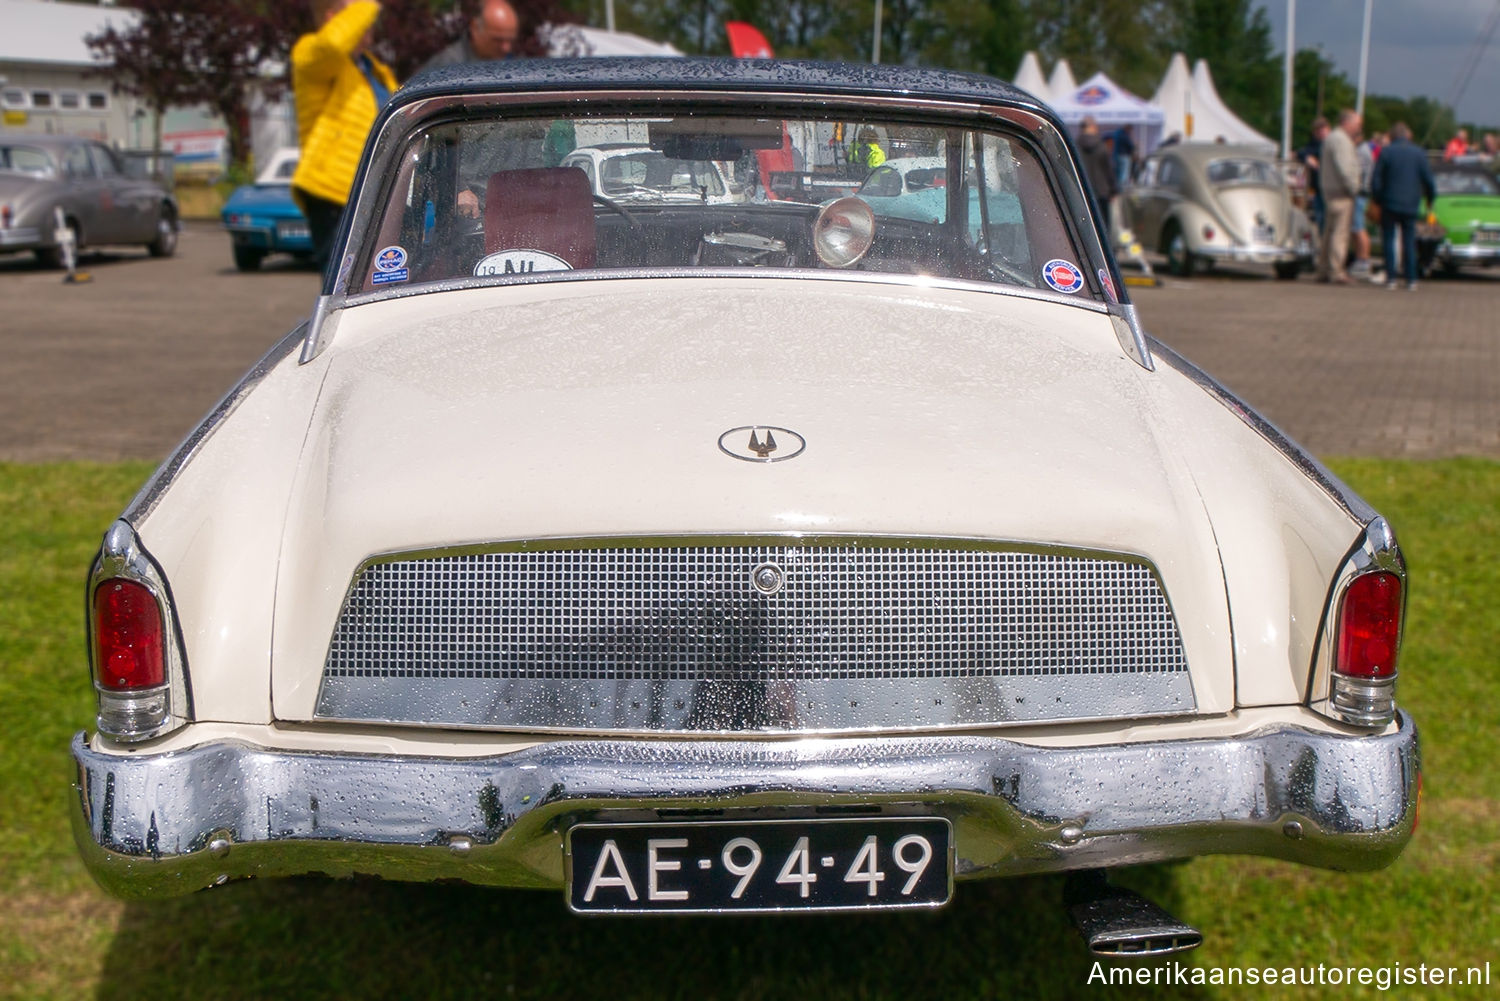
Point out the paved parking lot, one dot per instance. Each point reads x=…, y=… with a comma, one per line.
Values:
x=123, y=366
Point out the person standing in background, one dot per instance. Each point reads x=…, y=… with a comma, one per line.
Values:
x=1359, y=236
x=492, y=34
x=1457, y=146
x=1338, y=178
x=1400, y=181
x=1310, y=155
x=338, y=88
x=1098, y=164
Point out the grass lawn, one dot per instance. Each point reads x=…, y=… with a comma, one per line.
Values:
x=314, y=938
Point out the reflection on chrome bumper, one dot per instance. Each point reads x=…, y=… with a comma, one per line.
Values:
x=1469, y=251
x=1256, y=253
x=157, y=825
x=20, y=237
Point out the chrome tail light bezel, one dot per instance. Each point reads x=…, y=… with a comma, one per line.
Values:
x=1367, y=702
x=137, y=714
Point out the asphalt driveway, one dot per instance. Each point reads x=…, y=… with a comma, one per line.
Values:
x=123, y=366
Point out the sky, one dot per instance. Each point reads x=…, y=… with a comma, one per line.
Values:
x=1417, y=47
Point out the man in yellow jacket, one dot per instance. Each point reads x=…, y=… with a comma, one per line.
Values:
x=338, y=88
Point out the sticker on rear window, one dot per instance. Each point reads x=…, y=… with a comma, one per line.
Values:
x=1063, y=276
x=520, y=261
x=1107, y=283
x=390, y=266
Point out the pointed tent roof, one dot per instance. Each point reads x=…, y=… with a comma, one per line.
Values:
x=1107, y=102
x=1029, y=77
x=1174, y=95
x=1061, y=82
x=1193, y=107
x=1215, y=116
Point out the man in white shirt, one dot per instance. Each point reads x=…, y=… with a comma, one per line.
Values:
x=1338, y=175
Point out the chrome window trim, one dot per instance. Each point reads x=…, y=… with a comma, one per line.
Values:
x=122, y=557
x=1353, y=505
x=629, y=274
x=150, y=494
x=386, y=148
x=1376, y=550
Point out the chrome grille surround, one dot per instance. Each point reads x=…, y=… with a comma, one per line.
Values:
x=673, y=635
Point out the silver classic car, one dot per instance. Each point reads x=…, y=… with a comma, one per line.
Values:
x=1199, y=203
x=99, y=199
x=697, y=557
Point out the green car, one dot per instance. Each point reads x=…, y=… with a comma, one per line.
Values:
x=1467, y=214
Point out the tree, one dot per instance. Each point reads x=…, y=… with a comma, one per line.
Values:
x=184, y=53
x=1127, y=39
x=181, y=54
x=1235, y=37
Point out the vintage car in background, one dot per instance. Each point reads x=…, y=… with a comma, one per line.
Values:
x=628, y=172
x=1464, y=225
x=1201, y=203
x=771, y=556
x=262, y=219
x=103, y=203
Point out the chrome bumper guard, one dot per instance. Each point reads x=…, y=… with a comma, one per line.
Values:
x=1255, y=253
x=1469, y=251
x=164, y=824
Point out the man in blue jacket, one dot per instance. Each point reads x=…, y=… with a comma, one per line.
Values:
x=1401, y=180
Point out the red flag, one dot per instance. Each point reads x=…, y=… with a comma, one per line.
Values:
x=746, y=41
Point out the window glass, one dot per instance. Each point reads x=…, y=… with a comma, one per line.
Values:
x=104, y=161
x=69, y=100
x=493, y=199
x=41, y=98
x=12, y=97
x=76, y=162
x=98, y=100
x=26, y=160
x=1169, y=174
x=1456, y=182
x=1244, y=170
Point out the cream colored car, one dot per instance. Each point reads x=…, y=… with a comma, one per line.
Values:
x=695, y=557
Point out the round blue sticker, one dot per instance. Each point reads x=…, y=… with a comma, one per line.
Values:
x=390, y=259
x=1063, y=276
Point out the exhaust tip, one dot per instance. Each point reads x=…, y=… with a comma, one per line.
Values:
x=1118, y=922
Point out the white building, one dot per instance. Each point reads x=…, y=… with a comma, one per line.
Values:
x=47, y=74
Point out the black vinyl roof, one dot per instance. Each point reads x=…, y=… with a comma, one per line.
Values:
x=834, y=79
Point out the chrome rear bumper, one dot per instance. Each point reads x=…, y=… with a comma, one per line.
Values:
x=157, y=825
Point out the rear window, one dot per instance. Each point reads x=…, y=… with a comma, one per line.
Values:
x=1452, y=182
x=1244, y=171
x=26, y=160
x=500, y=200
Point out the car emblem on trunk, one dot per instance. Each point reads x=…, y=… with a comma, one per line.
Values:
x=760, y=443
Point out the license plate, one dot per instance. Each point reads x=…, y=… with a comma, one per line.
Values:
x=1487, y=236
x=292, y=230
x=771, y=865
x=1264, y=234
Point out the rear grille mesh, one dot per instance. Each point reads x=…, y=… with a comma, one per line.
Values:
x=694, y=613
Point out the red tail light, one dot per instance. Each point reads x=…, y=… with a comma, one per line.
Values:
x=1369, y=626
x=128, y=642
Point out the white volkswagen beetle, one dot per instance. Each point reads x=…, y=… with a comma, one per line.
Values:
x=696, y=557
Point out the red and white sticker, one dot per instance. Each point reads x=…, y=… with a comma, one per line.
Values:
x=1062, y=276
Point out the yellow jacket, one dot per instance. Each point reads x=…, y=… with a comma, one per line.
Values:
x=335, y=105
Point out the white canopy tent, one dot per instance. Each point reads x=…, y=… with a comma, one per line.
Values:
x=1113, y=107
x=1060, y=82
x=1192, y=107
x=1031, y=79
